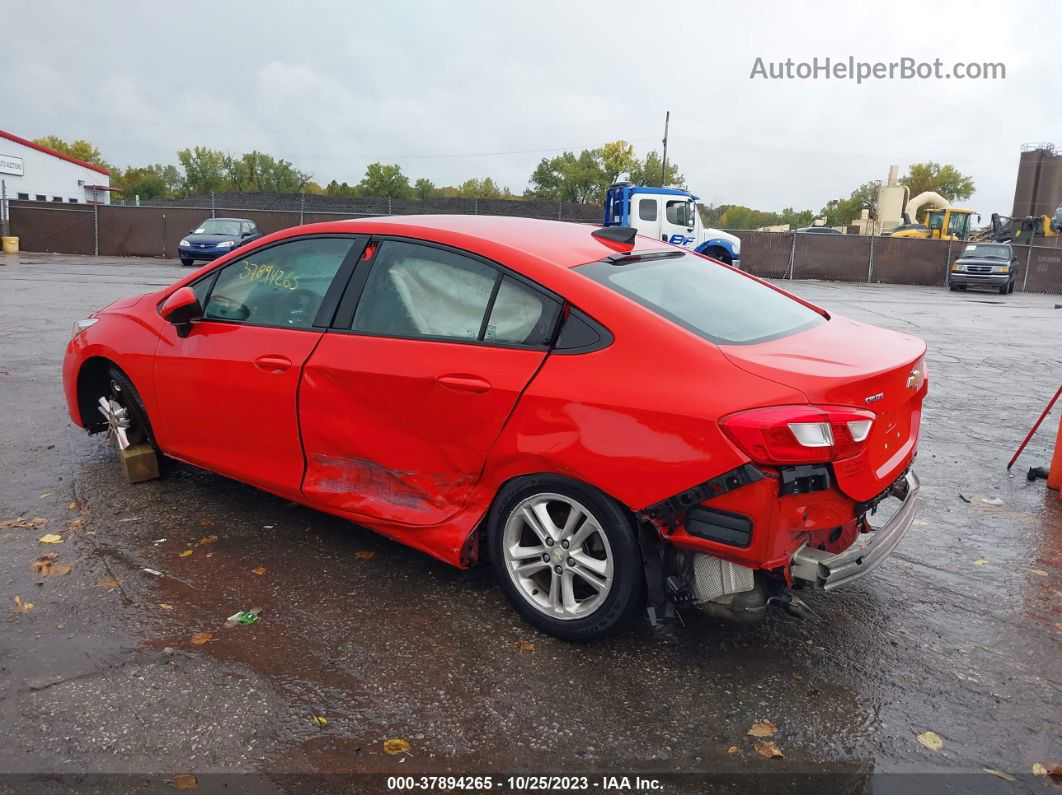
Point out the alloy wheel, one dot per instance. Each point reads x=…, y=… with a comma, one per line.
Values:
x=558, y=556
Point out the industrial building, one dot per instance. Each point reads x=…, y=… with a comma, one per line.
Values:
x=32, y=172
x=1039, y=187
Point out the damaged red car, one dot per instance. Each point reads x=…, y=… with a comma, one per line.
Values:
x=611, y=422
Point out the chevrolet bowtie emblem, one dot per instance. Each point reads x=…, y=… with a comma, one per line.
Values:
x=912, y=379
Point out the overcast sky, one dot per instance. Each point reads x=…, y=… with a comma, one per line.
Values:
x=459, y=89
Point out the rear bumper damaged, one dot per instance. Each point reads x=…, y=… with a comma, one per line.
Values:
x=729, y=582
x=827, y=571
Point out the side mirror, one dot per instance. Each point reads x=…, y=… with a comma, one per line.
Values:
x=180, y=309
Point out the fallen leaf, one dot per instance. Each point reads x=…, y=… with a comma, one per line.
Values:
x=365, y=554
x=36, y=523
x=998, y=773
x=320, y=720
x=200, y=638
x=51, y=538
x=259, y=571
x=525, y=645
x=930, y=740
x=733, y=750
x=72, y=506
x=165, y=606
x=43, y=563
x=769, y=749
x=1055, y=770
x=208, y=540
x=58, y=570
x=396, y=746
x=109, y=582
x=185, y=554
x=45, y=494
x=185, y=781
x=981, y=562
x=763, y=728
x=76, y=524
x=206, y=522
x=1037, y=572
x=22, y=607
x=1038, y=769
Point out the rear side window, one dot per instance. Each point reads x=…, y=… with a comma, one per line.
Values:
x=521, y=316
x=711, y=300
x=647, y=209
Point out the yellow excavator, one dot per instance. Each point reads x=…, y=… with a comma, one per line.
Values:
x=941, y=220
x=1005, y=229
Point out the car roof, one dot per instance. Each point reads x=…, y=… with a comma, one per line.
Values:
x=562, y=243
x=244, y=220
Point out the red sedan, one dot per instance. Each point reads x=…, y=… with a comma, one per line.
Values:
x=611, y=421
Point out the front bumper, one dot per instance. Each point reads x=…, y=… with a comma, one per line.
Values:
x=201, y=253
x=828, y=570
x=991, y=279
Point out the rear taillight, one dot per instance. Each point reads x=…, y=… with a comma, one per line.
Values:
x=780, y=435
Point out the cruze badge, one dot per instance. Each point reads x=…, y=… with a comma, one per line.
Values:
x=874, y=398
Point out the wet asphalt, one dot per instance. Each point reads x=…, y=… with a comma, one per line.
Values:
x=958, y=633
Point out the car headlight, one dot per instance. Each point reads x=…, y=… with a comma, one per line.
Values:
x=81, y=325
x=185, y=243
x=1001, y=269
x=226, y=244
x=956, y=269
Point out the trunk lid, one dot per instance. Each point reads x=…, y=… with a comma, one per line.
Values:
x=845, y=363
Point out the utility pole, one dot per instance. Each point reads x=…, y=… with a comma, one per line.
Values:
x=663, y=166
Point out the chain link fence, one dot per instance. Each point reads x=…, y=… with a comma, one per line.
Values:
x=885, y=260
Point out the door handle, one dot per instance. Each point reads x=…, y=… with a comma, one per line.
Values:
x=460, y=382
x=272, y=363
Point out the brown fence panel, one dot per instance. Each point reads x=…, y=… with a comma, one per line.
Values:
x=1045, y=269
x=766, y=254
x=839, y=258
x=900, y=260
x=132, y=232
x=53, y=229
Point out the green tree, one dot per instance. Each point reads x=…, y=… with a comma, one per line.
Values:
x=946, y=180
x=617, y=159
x=385, y=181
x=204, y=169
x=482, y=189
x=148, y=182
x=648, y=171
x=423, y=188
x=79, y=149
x=343, y=190
x=256, y=172
x=569, y=178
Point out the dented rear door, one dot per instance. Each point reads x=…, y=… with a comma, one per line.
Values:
x=399, y=408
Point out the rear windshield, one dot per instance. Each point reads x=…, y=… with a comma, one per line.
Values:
x=711, y=300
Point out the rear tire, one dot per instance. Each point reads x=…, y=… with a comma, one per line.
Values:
x=567, y=556
x=186, y=262
x=719, y=254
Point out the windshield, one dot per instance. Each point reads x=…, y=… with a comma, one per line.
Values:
x=987, y=251
x=711, y=300
x=218, y=226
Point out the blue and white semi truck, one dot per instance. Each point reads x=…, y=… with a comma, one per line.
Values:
x=669, y=214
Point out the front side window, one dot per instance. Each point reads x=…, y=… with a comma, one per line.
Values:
x=679, y=213
x=957, y=224
x=282, y=285
x=719, y=304
x=647, y=209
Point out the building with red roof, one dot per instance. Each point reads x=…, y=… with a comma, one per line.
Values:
x=33, y=172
